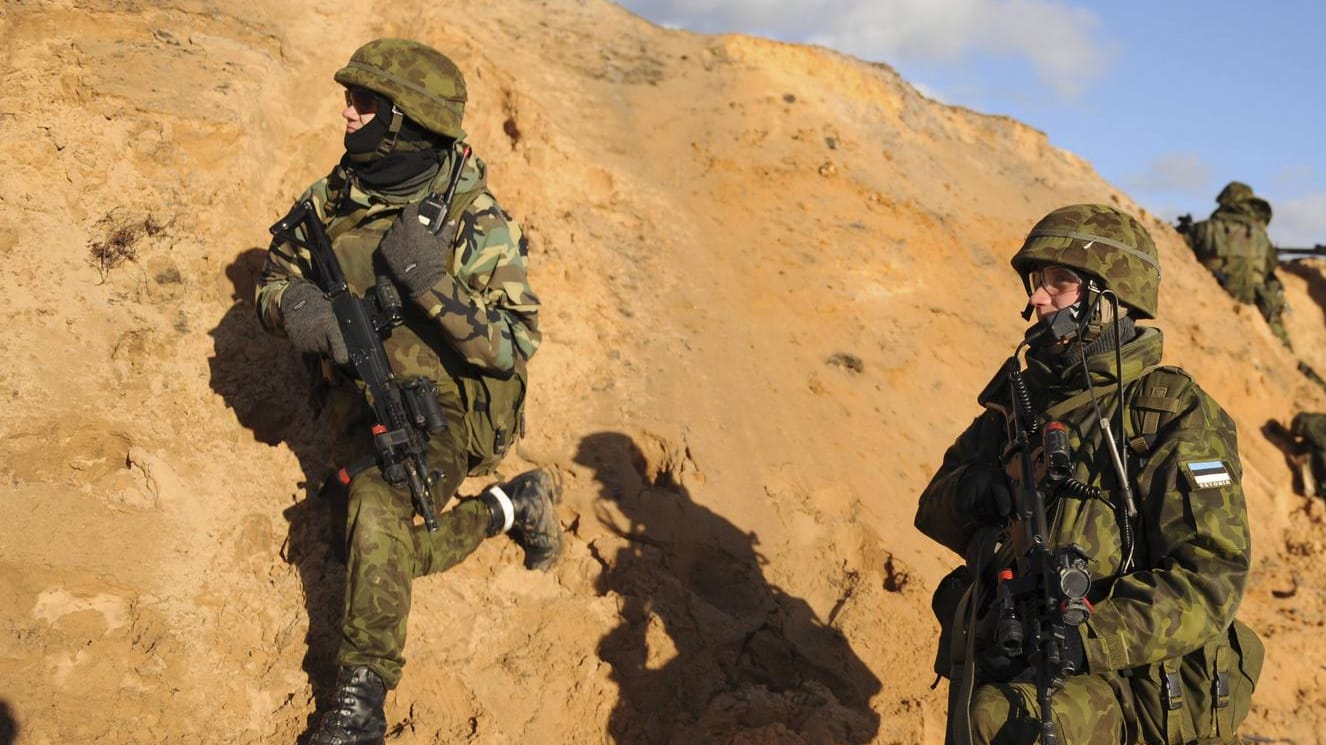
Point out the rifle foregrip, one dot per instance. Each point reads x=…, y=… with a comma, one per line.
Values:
x=423, y=500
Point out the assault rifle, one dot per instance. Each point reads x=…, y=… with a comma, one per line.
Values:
x=1042, y=597
x=1294, y=254
x=1184, y=224
x=406, y=411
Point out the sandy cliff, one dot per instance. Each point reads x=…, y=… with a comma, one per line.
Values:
x=774, y=278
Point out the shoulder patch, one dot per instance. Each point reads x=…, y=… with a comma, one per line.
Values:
x=1207, y=474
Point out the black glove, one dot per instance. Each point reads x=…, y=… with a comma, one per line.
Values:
x=416, y=257
x=310, y=322
x=983, y=494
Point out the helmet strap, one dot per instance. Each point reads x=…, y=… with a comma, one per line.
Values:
x=393, y=131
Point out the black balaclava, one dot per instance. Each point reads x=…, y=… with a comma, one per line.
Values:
x=396, y=165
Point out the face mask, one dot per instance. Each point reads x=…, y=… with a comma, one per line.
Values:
x=365, y=140
x=1063, y=326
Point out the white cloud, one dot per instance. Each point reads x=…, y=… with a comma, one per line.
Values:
x=1297, y=177
x=1181, y=173
x=1058, y=40
x=1300, y=222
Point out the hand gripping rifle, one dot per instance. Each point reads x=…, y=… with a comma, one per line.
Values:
x=406, y=411
x=1042, y=598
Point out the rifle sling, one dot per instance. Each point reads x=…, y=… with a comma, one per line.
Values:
x=962, y=673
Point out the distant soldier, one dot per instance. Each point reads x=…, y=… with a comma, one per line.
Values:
x=1097, y=502
x=470, y=324
x=1233, y=244
x=1309, y=432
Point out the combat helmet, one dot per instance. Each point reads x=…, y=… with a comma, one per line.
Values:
x=1103, y=242
x=423, y=83
x=1238, y=195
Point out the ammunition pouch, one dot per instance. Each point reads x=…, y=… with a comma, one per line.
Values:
x=1203, y=696
x=494, y=417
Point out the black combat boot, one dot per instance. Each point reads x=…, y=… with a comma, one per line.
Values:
x=356, y=716
x=525, y=506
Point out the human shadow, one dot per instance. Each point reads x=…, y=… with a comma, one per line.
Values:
x=1293, y=448
x=707, y=650
x=267, y=384
x=8, y=725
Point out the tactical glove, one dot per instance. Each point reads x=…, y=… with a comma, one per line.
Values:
x=310, y=322
x=416, y=257
x=983, y=494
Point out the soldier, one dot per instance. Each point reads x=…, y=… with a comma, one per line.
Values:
x=1139, y=641
x=1309, y=432
x=1233, y=245
x=471, y=325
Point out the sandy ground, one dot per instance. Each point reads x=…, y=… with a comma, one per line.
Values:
x=774, y=279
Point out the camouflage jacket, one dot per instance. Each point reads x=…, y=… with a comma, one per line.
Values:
x=481, y=314
x=1234, y=246
x=1192, y=549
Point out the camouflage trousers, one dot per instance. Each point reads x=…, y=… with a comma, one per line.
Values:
x=1270, y=302
x=386, y=550
x=1087, y=711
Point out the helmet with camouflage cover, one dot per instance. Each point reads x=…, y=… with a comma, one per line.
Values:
x=1102, y=241
x=424, y=83
x=1238, y=195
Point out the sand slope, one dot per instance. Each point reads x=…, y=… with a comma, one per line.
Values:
x=774, y=279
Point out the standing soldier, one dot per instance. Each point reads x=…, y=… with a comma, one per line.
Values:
x=1233, y=244
x=470, y=324
x=1098, y=505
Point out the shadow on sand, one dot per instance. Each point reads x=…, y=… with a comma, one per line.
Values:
x=8, y=725
x=267, y=385
x=708, y=650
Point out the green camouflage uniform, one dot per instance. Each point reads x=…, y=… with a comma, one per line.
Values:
x=1172, y=610
x=478, y=325
x=1193, y=547
x=1234, y=246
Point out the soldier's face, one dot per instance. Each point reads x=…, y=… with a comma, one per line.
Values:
x=360, y=108
x=1056, y=288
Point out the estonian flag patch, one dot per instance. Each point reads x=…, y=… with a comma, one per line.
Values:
x=1208, y=474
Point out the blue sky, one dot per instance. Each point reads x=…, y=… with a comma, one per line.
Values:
x=1168, y=100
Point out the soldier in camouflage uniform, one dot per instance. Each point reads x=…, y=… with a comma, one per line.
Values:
x=1309, y=431
x=1233, y=244
x=471, y=325
x=1160, y=657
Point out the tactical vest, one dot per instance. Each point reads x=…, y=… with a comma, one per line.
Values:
x=493, y=405
x=1237, y=249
